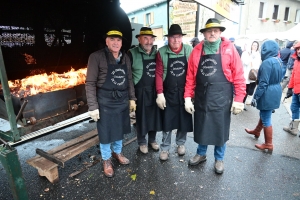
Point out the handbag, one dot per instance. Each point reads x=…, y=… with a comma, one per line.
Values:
x=253, y=74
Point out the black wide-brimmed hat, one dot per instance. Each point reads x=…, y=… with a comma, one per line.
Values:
x=212, y=23
x=145, y=31
x=114, y=32
x=175, y=29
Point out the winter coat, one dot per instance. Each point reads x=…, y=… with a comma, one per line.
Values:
x=295, y=77
x=290, y=63
x=250, y=61
x=96, y=75
x=231, y=65
x=239, y=50
x=268, y=91
x=286, y=53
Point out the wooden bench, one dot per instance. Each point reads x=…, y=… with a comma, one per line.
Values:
x=63, y=152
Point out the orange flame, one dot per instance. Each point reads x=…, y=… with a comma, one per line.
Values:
x=42, y=83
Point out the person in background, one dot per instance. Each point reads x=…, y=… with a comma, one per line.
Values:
x=170, y=76
x=284, y=56
x=251, y=60
x=148, y=115
x=294, y=84
x=194, y=41
x=289, y=66
x=110, y=96
x=238, y=48
x=214, y=67
x=268, y=92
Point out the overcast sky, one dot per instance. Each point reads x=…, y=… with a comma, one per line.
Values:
x=131, y=5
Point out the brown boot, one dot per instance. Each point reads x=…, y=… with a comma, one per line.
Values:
x=268, y=131
x=257, y=130
x=121, y=158
x=108, y=168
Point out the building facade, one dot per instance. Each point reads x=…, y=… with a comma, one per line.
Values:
x=154, y=16
x=259, y=16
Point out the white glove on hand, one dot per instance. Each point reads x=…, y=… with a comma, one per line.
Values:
x=95, y=115
x=161, y=101
x=237, y=107
x=132, y=106
x=189, y=106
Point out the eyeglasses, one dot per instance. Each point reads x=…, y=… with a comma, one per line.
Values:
x=176, y=37
x=213, y=31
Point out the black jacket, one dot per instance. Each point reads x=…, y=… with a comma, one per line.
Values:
x=286, y=53
x=239, y=50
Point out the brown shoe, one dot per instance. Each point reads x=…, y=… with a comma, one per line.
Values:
x=121, y=158
x=108, y=168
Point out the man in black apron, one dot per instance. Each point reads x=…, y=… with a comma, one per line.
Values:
x=171, y=67
x=109, y=87
x=148, y=115
x=215, y=69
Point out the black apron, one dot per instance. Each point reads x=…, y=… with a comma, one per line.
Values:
x=175, y=115
x=148, y=114
x=113, y=104
x=213, y=100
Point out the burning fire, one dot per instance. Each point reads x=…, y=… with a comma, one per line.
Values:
x=43, y=83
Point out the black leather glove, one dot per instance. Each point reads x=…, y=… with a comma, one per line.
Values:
x=289, y=93
x=253, y=103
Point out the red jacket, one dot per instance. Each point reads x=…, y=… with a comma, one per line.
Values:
x=231, y=64
x=295, y=77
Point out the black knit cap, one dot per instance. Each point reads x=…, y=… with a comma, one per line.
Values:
x=175, y=29
x=212, y=23
x=145, y=31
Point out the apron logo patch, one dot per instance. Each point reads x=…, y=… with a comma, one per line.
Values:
x=177, y=68
x=150, y=69
x=118, y=76
x=208, y=67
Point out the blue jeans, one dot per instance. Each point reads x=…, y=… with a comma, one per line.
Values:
x=283, y=69
x=218, y=152
x=265, y=116
x=295, y=105
x=106, y=151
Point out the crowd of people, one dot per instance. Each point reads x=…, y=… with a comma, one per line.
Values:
x=184, y=88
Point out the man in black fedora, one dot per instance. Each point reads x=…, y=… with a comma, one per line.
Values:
x=215, y=68
x=171, y=67
x=109, y=87
x=148, y=115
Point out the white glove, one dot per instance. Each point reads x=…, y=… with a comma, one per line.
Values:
x=161, y=101
x=189, y=106
x=132, y=106
x=95, y=115
x=237, y=107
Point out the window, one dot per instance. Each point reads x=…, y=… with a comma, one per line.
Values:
x=149, y=19
x=261, y=10
x=286, y=14
x=275, y=12
x=297, y=20
x=133, y=19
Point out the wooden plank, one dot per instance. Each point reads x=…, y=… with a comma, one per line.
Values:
x=74, y=141
x=67, y=144
x=71, y=152
x=51, y=175
x=43, y=164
